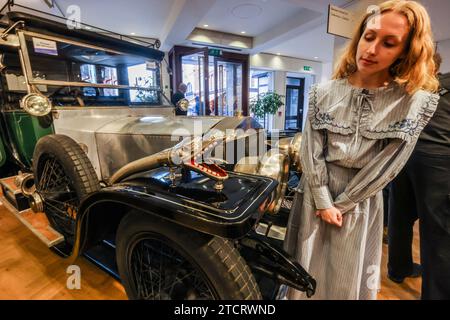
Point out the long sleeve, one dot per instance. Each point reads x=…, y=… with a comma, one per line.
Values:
x=376, y=174
x=314, y=167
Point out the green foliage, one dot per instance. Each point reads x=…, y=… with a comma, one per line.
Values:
x=268, y=103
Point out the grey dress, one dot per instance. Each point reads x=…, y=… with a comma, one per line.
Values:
x=355, y=141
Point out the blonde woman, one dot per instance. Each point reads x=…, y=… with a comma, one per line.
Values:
x=361, y=128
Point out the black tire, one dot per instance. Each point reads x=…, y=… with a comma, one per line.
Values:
x=63, y=177
x=214, y=268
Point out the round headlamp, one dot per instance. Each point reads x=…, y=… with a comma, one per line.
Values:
x=36, y=104
x=183, y=104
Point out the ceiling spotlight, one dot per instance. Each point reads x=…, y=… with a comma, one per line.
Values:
x=206, y=25
x=316, y=57
x=52, y=3
x=242, y=32
x=49, y=3
x=278, y=54
x=133, y=33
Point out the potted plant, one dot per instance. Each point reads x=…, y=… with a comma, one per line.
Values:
x=266, y=103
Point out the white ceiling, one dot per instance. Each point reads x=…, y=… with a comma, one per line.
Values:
x=295, y=28
x=312, y=43
x=252, y=16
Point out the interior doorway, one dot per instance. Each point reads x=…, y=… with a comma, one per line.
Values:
x=193, y=74
x=217, y=81
x=295, y=88
x=229, y=87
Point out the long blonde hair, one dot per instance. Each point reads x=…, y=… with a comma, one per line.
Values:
x=417, y=69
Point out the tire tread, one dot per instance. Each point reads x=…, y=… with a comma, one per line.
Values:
x=225, y=268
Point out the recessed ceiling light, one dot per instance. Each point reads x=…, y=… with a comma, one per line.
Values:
x=279, y=54
x=133, y=33
x=242, y=32
x=206, y=25
x=316, y=57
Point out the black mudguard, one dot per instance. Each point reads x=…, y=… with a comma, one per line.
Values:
x=272, y=262
x=192, y=202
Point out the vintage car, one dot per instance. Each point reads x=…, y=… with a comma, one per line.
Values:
x=153, y=198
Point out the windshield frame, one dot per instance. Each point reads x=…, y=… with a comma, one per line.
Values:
x=28, y=71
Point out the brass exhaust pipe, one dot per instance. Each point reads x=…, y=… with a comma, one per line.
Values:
x=25, y=182
x=151, y=162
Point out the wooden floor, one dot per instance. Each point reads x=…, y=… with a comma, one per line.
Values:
x=29, y=270
x=410, y=288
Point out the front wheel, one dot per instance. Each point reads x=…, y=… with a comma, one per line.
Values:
x=159, y=260
x=63, y=177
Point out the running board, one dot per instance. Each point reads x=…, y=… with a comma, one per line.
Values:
x=12, y=193
x=36, y=222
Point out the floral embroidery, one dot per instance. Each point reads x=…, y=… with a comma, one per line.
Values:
x=322, y=118
x=408, y=126
x=364, y=118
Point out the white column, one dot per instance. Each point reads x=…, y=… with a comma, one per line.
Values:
x=280, y=88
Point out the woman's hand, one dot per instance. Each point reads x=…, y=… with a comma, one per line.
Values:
x=331, y=215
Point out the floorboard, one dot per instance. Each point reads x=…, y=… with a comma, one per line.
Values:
x=29, y=270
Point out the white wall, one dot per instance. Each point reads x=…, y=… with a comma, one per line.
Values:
x=444, y=50
x=327, y=72
x=281, y=63
x=288, y=66
x=339, y=46
x=280, y=88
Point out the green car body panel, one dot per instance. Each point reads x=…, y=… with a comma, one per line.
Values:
x=2, y=153
x=25, y=131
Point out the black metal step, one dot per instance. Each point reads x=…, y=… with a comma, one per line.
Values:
x=16, y=203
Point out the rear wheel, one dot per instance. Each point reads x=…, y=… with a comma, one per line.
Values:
x=63, y=177
x=160, y=260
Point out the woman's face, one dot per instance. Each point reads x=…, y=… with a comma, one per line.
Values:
x=382, y=43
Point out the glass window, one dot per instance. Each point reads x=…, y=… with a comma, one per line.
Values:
x=229, y=91
x=140, y=76
x=66, y=68
x=99, y=74
x=261, y=81
x=193, y=75
x=294, y=103
x=88, y=73
x=292, y=81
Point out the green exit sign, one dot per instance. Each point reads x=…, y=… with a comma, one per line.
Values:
x=215, y=52
x=307, y=68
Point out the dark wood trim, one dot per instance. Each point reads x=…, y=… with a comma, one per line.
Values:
x=216, y=91
x=206, y=83
x=245, y=86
